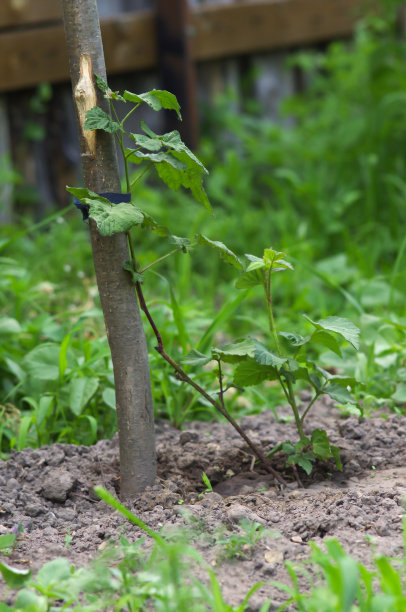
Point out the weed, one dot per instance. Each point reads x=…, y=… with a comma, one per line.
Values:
x=342, y=583
x=241, y=545
x=126, y=578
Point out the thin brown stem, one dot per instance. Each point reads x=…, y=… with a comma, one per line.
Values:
x=181, y=374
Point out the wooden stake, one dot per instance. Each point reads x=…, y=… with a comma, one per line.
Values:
x=118, y=299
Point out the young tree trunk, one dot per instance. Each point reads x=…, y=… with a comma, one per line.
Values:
x=119, y=303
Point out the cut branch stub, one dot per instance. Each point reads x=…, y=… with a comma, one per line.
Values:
x=85, y=97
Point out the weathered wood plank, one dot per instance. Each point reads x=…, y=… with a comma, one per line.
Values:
x=23, y=12
x=130, y=40
x=247, y=27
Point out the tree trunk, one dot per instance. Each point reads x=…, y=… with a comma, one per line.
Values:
x=118, y=299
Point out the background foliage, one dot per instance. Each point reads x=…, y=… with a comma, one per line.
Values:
x=327, y=185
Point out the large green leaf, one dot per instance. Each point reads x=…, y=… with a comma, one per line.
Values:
x=323, y=449
x=189, y=178
x=221, y=249
x=97, y=119
x=109, y=397
x=328, y=340
x=81, y=390
x=53, y=572
x=150, y=144
x=321, y=444
x=264, y=356
x=233, y=353
x=155, y=99
x=249, y=373
x=13, y=577
x=339, y=325
x=136, y=156
x=114, y=219
x=196, y=358
x=9, y=326
x=339, y=393
x=42, y=362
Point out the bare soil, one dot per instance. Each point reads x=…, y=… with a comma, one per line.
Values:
x=50, y=492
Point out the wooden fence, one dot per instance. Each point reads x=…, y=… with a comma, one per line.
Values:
x=166, y=43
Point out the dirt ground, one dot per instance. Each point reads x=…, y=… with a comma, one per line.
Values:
x=49, y=491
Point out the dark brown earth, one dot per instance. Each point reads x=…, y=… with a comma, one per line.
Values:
x=50, y=492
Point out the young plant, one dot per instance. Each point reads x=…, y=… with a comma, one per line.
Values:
x=342, y=583
x=177, y=166
x=241, y=545
x=286, y=359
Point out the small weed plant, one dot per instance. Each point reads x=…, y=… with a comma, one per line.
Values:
x=285, y=356
x=125, y=578
x=338, y=582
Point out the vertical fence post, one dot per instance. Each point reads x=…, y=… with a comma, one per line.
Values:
x=176, y=66
x=120, y=308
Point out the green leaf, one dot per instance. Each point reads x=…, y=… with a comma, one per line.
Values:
x=250, y=279
x=97, y=119
x=9, y=326
x=109, y=398
x=136, y=157
x=7, y=540
x=14, y=578
x=266, y=357
x=101, y=83
x=341, y=326
x=114, y=219
x=249, y=373
x=190, y=177
x=81, y=390
x=53, y=572
x=338, y=393
x=195, y=358
x=29, y=601
x=93, y=427
x=23, y=430
x=236, y=352
x=294, y=340
x=322, y=337
x=44, y=408
x=221, y=249
x=63, y=359
x=321, y=444
x=150, y=144
x=173, y=141
x=181, y=243
x=304, y=460
x=335, y=452
x=149, y=222
x=42, y=362
x=155, y=99
x=276, y=257
x=400, y=393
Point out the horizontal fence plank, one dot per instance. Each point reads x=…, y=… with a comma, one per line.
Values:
x=251, y=27
x=29, y=57
x=24, y=12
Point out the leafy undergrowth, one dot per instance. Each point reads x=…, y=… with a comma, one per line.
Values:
x=163, y=578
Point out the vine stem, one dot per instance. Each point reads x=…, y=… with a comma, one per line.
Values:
x=181, y=375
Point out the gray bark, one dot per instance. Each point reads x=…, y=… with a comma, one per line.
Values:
x=119, y=303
